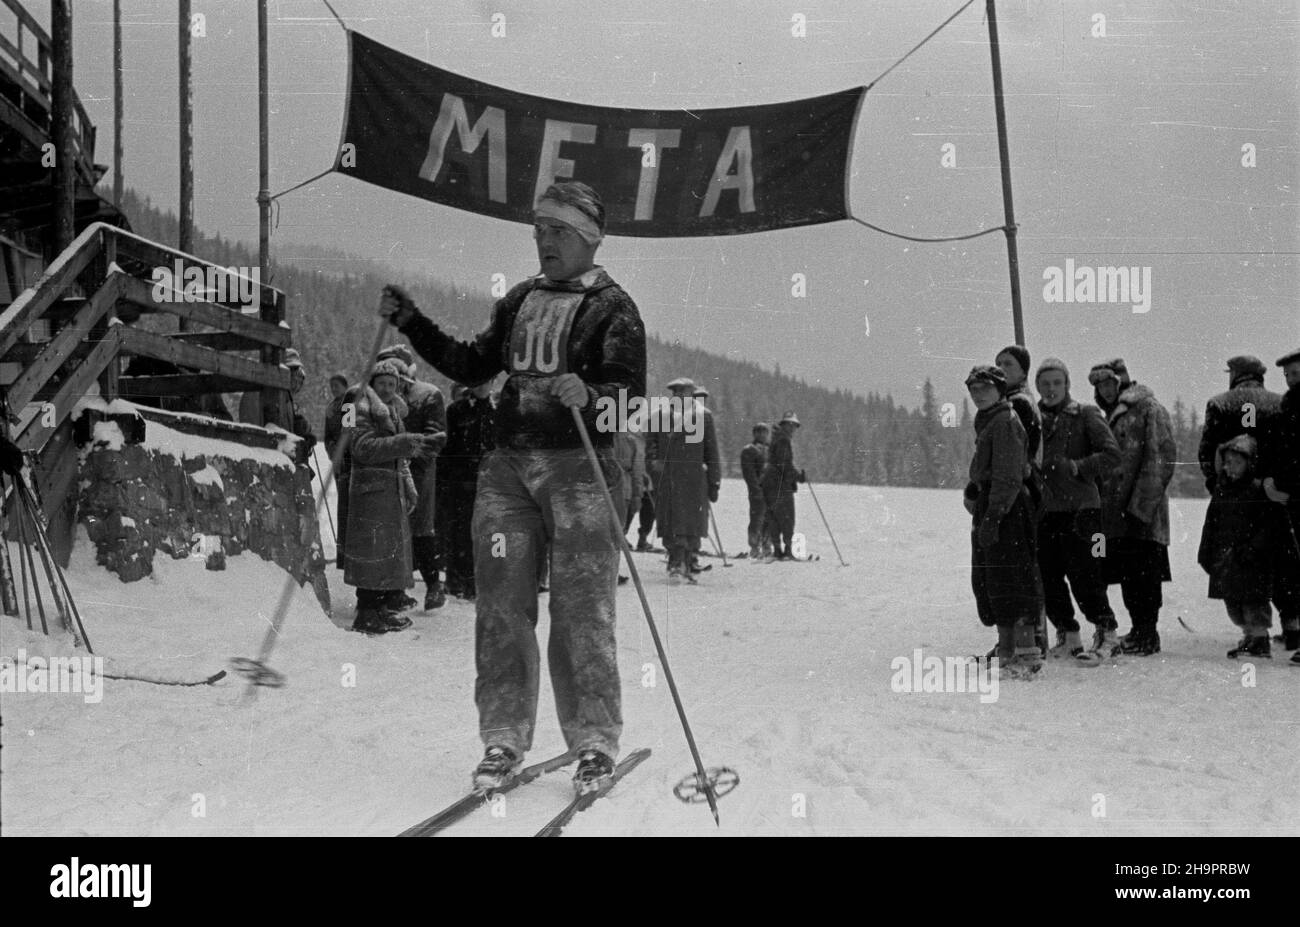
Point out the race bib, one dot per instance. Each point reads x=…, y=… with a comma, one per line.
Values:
x=539, y=341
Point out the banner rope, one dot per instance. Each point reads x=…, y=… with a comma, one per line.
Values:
x=876, y=228
x=920, y=43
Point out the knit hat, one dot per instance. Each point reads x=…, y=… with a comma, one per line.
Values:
x=987, y=373
x=400, y=351
x=1053, y=363
x=1244, y=367
x=388, y=367
x=1020, y=353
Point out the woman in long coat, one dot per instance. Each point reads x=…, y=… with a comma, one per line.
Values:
x=382, y=495
x=687, y=474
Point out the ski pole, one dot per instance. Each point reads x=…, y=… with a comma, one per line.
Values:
x=645, y=606
x=328, y=514
x=22, y=560
x=722, y=550
x=255, y=670
x=825, y=522
x=31, y=565
x=44, y=538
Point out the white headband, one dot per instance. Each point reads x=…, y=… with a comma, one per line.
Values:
x=571, y=216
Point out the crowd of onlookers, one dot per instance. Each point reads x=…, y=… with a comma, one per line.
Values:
x=1069, y=498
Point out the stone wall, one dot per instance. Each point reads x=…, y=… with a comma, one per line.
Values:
x=148, y=489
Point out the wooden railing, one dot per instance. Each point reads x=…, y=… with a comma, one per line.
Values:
x=89, y=298
x=27, y=64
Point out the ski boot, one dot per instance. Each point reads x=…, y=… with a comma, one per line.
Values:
x=1068, y=644
x=435, y=597
x=498, y=766
x=1141, y=642
x=1250, y=646
x=642, y=545
x=1105, y=644
x=594, y=770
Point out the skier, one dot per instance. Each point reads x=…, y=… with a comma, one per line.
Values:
x=1078, y=449
x=1004, y=569
x=1280, y=460
x=1134, y=501
x=780, y=480
x=687, y=472
x=1237, y=545
x=752, y=460
x=569, y=338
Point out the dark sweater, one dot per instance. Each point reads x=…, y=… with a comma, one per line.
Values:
x=605, y=347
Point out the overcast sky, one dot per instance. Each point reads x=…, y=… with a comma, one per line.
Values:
x=1126, y=150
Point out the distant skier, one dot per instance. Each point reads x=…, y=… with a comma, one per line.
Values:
x=779, y=482
x=753, y=458
x=569, y=338
x=1004, y=566
x=1134, y=500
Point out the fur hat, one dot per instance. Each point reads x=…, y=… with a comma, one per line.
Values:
x=400, y=351
x=987, y=373
x=388, y=367
x=1112, y=368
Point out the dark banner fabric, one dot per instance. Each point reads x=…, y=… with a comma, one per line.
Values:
x=418, y=129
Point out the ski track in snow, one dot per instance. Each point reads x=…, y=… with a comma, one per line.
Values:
x=784, y=669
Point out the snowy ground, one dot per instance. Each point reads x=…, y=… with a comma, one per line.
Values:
x=786, y=674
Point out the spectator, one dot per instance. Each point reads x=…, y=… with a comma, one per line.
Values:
x=469, y=438
x=383, y=495
x=1004, y=566
x=1134, y=500
x=1237, y=543
x=752, y=460
x=779, y=482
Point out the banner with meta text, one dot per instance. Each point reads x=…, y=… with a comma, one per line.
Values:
x=417, y=129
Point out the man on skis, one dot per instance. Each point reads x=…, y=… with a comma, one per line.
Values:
x=567, y=338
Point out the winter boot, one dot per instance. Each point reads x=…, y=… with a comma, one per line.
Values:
x=399, y=601
x=374, y=621
x=642, y=545
x=1141, y=642
x=435, y=597
x=1068, y=644
x=755, y=553
x=1105, y=643
x=594, y=770
x=498, y=766
x=1250, y=646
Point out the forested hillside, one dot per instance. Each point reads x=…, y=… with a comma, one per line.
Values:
x=845, y=438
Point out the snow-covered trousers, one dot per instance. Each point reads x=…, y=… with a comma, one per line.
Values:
x=526, y=499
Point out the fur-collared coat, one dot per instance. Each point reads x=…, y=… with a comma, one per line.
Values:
x=381, y=490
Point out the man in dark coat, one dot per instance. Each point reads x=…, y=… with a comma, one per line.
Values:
x=686, y=468
x=1134, y=500
x=780, y=480
x=1280, y=467
x=753, y=458
x=1004, y=565
x=1245, y=409
x=570, y=338
x=469, y=438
